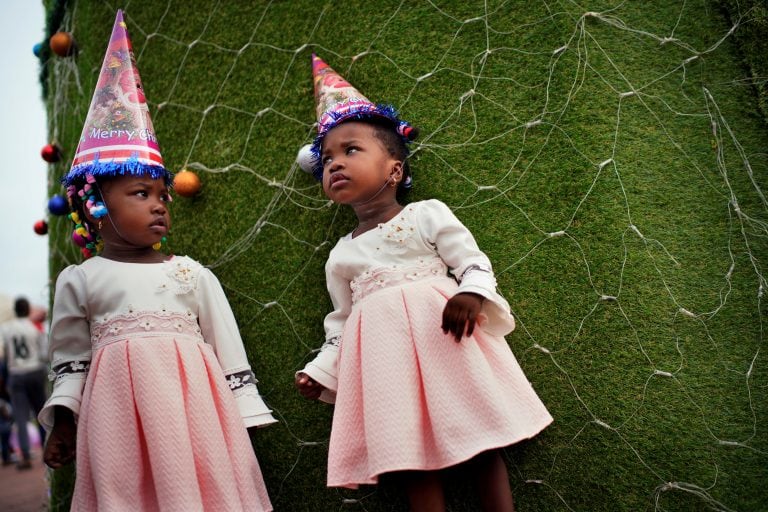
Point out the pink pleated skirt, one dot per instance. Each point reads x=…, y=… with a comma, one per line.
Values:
x=159, y=429
x=411, y=398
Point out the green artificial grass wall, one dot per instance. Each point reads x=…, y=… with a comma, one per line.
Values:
x=609, y=157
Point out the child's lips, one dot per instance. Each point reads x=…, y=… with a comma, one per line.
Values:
x=338, y=180
x=159, y=225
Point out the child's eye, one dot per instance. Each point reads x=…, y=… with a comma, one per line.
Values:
x=141, y=193
x=351, y=149
x=166, y=197
x=326, y=160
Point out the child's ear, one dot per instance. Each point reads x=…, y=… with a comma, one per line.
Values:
x=397, y=170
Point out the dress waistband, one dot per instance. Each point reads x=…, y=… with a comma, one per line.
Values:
x=145, y=324
x=379, y=278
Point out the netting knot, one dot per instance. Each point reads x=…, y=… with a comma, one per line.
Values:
x=603, y=424
x=603, y=164
x=424, y=77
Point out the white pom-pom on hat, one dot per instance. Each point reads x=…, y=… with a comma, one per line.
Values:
x=305, y=158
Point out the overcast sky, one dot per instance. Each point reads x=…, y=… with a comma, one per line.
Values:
x=23, y=133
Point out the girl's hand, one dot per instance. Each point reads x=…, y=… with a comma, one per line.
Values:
x=60, y=447
x=308, y=387
x=460, y=314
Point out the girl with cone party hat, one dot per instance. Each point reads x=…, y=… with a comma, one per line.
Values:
x=152, y=389
x=414, y=358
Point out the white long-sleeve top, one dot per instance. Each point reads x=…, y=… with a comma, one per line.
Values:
x=90, y=294
x=409, y=242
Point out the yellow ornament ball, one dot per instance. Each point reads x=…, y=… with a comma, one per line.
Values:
x=186, y=183
x=62, y=44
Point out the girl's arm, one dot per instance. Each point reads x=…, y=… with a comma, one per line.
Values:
x=455, y=244
x=219, y=329
x=70, y=346
x=322, y=372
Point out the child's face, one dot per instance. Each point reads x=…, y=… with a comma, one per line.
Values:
x=138, y=211
x=355, y=164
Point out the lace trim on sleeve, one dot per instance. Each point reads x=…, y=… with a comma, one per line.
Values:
x=332, y=342
x=475, y=268
x=60, y=371
x=238, y=380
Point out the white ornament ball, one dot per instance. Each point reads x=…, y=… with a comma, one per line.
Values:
x=305, y=158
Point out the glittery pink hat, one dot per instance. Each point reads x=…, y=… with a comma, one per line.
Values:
x=337, y=101
x=118, y=137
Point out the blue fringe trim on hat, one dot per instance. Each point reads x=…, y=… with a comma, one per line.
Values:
x=129, y=167
x=361, y=112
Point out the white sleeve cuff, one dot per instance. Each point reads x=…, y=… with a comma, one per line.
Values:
x=67, y=392
x=253, y=410
x=324, y=370
x=496, y=317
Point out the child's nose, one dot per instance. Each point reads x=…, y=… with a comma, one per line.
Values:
x=335, y=165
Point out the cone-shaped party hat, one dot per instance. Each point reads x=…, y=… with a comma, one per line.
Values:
x=337, y=101
x=118, y=136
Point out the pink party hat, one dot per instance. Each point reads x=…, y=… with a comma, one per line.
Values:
x=337, y=101
x=118, y=136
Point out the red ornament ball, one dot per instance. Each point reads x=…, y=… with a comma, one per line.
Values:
x=186, y=183
x=62, y=44
x=41, y=227
x=51, y=153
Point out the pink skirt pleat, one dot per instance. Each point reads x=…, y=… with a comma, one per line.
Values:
x=411, y=398
x=159, y=429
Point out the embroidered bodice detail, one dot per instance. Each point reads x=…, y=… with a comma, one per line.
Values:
x=138, y=324
x=182, y=274
x=383, y=277
x=397, y=234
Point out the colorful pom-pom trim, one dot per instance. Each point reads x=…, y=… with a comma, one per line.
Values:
x=359, y=111
x=133, y=166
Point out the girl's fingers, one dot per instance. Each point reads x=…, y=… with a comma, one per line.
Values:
x=458, y=326
x=446, y=320
x=471, y=324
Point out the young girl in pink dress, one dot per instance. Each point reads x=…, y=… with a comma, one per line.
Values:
x=414, y=358
x=152, y=388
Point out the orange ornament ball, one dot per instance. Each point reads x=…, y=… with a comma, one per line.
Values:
x=62, y=44
x=186, y=183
